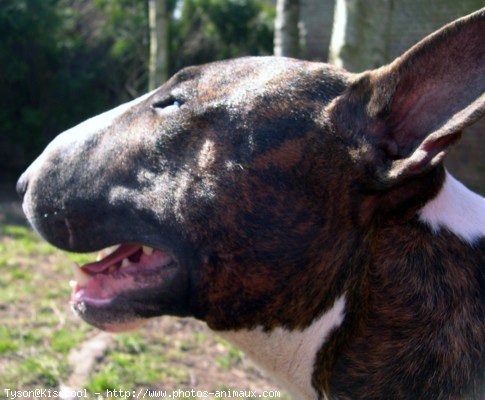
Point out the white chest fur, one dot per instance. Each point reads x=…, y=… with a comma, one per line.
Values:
x=289, y=356
x=457, y=209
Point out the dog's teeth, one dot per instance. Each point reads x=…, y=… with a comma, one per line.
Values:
x=125, y=263
x=80, y=276
x=147, y=250
x=105, y=252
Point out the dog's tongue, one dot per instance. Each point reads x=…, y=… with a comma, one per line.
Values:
x=124, y=251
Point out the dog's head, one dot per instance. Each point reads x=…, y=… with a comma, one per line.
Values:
x=253, y=179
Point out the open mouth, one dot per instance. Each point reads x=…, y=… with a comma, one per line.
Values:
x=118, y=271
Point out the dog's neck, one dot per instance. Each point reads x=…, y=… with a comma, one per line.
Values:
x=289, y=356
x=454, y=217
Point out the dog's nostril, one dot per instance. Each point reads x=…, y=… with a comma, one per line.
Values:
x=21, y=186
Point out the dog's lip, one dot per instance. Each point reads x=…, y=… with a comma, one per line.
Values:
x=129, y=267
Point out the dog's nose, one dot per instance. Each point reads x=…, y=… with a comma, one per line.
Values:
x=22, y=185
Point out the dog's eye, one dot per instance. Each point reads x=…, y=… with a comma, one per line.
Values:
x=167, y=105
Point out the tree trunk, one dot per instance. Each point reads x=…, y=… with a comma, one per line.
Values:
x=360, y=38
x=286, y=28
x=158, y=23
x=316, y=21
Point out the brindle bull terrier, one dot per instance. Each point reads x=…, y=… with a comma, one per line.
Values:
x=301, y=211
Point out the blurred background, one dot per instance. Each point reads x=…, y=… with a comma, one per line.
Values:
x=62, y=61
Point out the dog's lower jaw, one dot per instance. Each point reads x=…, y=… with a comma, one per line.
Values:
x=105, y=322
x=122, y=328
x=288, y=356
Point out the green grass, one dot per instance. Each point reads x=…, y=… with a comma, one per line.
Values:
x=37, y=333
x=231, y=359
x=134, y=362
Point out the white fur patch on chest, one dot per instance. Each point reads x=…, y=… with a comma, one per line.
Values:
x=289, y=356
x=457, y=209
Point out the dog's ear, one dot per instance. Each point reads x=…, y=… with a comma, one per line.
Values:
x=412, y=110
